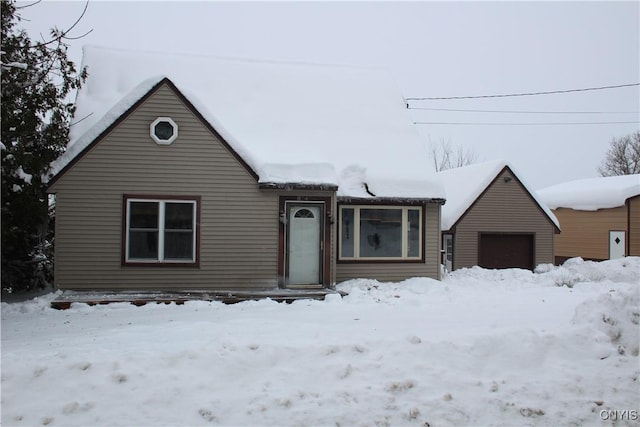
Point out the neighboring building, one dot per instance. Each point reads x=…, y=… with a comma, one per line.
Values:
x=240, y=175
x=600, y=217
x=494, y=220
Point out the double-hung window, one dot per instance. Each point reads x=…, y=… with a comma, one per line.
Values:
x=381, y=233
x=161, y=230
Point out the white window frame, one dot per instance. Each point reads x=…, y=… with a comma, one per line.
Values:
x=405, y=233
x=161, y=231
x=152, y=131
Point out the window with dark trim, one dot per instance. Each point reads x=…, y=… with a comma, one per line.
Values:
x=381, y=233
x=161, y=230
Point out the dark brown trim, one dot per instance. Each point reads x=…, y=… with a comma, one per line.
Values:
x=420, y=260
x=290, y=186
x=104, y=133
x=498, y=175
x=164, y=264
x=387, y=201
x=210, y=127
x=282, y=247
x=152, y=91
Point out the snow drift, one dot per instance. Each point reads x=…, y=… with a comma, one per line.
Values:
x=558, y=346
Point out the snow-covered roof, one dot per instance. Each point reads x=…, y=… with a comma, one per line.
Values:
x=592, y=193
x=464, y=185
x=289, y=122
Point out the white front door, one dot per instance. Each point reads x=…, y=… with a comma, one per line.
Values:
x=617, y=244
x=304, y=251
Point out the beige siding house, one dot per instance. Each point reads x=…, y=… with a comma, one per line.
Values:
x=600, y=217
x=493, y=219
x=170, y=189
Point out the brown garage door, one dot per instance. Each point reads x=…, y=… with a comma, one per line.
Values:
x=506, y=251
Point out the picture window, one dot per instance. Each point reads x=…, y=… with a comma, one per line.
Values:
x=381, y=233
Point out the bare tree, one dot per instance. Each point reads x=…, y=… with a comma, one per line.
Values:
x=447, y=156
x=623, y=157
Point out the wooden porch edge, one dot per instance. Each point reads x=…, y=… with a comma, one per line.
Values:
x=68, y=297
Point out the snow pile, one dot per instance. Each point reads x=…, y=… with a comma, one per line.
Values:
x=310, y=173
x=593, y=193
x=482, y=347
x=465, y=184
x=270, y=113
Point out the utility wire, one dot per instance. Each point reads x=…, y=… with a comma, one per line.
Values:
x=523, y=94
x=524, y=124
x=523, y=112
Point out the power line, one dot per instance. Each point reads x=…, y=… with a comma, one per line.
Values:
x=524, y=124
x=523, y=94
x=522, y=111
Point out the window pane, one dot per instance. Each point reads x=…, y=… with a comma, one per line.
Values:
x=381, y=233
x=163, y=130
x=178, y=216
x=143, y=215
x=448, y=243
x=413, y=233
x=346, y=242
x=143, y=244
x=178, y=245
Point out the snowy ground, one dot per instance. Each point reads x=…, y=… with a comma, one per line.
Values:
x=510, y=347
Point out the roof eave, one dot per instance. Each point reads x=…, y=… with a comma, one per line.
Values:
x=296, y=186
x=391, y=200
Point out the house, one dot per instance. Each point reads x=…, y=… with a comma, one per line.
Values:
x=600, y=217
x=493, y=219
x=192, y=173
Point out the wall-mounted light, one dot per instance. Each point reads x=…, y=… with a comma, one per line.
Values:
x=330, y=216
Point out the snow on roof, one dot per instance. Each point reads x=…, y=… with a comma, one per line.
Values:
x=465, y=184
x=277, y=116
x=592, y=193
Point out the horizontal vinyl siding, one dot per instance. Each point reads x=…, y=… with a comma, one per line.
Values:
x=586, y=233
x=239, y=223
x=634, y=226
x=399, y=271
x=505, y=207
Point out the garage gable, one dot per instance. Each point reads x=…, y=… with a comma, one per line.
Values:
x=504, y=227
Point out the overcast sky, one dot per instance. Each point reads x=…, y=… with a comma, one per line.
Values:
x=434, y=49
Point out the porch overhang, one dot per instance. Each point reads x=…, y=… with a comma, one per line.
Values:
x=411, y=201
x=290, y=186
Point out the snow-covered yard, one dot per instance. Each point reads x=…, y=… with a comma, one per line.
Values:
x=510, y=347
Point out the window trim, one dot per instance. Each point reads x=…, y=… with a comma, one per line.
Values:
x=152, y=131
x=162, y=199
x=356, y=258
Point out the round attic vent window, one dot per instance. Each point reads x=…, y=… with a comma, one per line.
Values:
x=164, y=130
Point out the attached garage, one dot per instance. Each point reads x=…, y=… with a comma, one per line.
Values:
x=502, y=250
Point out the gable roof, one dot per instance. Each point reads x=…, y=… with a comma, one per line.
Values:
x=466, y=184
x=301, y=123
x=592, y=193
